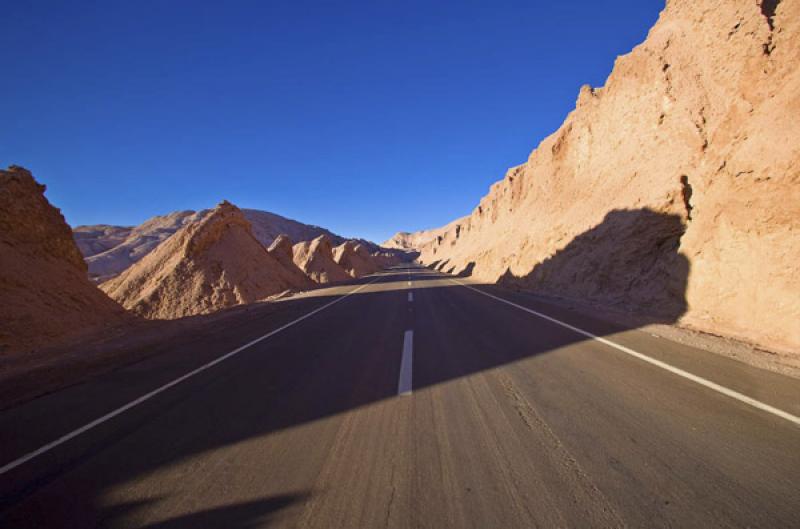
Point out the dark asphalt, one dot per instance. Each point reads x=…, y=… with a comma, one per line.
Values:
x=513, y=422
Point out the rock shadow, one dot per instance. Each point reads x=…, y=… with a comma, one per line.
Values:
x=630, y=261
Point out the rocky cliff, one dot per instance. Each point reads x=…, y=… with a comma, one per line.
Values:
x=674, y=189
x=44, y=293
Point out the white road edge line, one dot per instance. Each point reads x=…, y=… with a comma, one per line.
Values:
x=404, y=382
x=658, y=363
x=410, y=297
x=71, y=435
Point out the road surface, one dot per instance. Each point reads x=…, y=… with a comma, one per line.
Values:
x=408, y=399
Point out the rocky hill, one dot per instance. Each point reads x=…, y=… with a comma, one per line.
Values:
x=45, y=294
x=111, y=249
x=282, y=250
x=207, y=265
x=315, y=259
x=355, y=258
x=674, y=189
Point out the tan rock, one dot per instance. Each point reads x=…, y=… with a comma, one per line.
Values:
x=44, y=294
x=111, y=249
x=207, y=265
x=281, y=249
x=315, y=258
x=355, y=259
x=673, y=190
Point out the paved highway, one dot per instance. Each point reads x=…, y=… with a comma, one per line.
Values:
x=410, y=399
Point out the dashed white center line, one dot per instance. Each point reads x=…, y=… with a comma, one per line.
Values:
x=404, y=382
x=410, y=297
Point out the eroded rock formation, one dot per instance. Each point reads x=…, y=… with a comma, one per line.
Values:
x=315, y=258
x=282, y=250
x=686, y=163
x=111, y=249
x=44, y=293
x=355, y=258
x=208, y=265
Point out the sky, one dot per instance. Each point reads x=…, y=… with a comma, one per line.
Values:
x=366, y=118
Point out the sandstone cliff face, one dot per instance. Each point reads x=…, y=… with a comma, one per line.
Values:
x=315, y=259
x=355, y=259
x=44, y=293
x=208, y=265
x=674, y=189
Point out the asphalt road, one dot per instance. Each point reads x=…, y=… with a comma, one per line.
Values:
x=412, y=402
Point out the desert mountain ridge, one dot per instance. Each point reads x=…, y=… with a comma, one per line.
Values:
x=672, y=190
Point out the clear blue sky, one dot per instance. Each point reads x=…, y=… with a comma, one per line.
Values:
x=366, y=118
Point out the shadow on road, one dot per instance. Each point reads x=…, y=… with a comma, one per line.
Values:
x=237, y=516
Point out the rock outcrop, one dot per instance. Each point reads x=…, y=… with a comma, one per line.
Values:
x=282, y=250
x=685, y=163
x=355, y=258
x=208, y=265
x=45, y=296
x=315, y=259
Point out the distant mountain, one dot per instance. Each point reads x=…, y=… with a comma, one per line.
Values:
x=109, y=250
x=267, y=226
